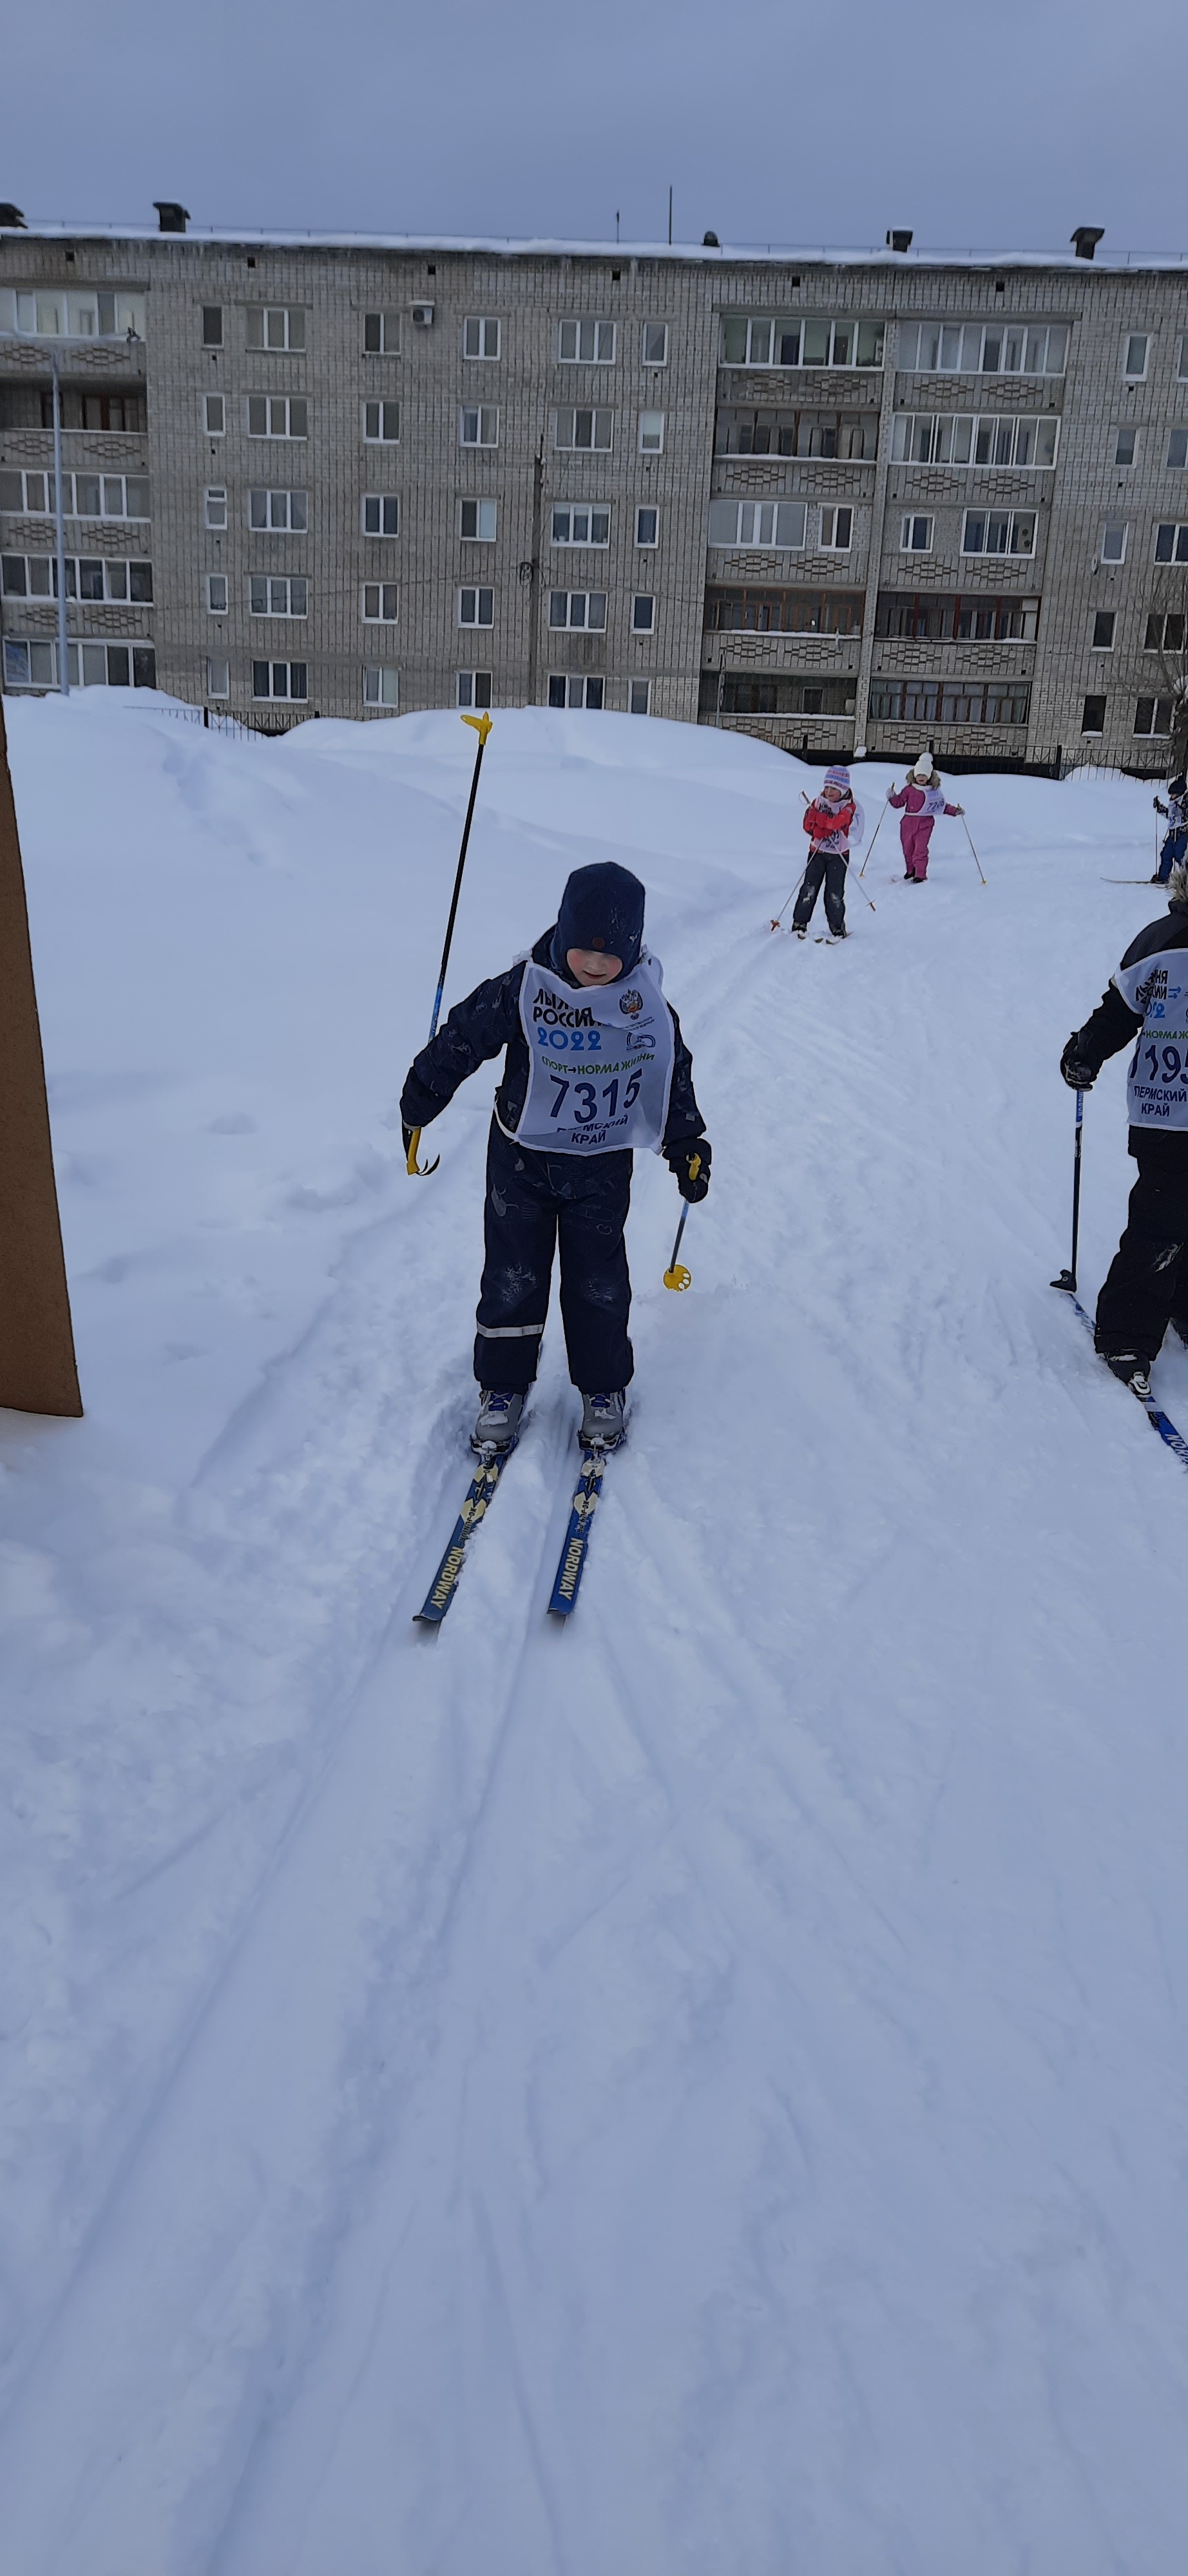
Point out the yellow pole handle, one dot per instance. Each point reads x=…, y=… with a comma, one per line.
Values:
x=418, y=1171
x=482, y=725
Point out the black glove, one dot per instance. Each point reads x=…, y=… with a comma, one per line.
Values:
x=689, y=1164
x=1079, y=1074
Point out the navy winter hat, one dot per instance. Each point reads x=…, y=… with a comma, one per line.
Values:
x=602, y=907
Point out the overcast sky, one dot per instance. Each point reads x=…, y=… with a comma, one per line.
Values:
x=988, y=128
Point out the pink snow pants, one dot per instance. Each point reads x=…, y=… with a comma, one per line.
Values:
x=915, y=832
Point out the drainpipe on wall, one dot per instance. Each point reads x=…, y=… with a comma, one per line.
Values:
x=877, y=522
x=60, y=531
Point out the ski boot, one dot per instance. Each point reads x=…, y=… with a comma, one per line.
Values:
x=798, y=932
x=498, y=1424
x=602, y=1420
x=1133, y=1371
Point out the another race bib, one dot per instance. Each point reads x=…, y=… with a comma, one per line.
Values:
x=600, y=1062
x=1157, y=1075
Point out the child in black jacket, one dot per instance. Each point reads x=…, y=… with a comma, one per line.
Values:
x=595, y=1066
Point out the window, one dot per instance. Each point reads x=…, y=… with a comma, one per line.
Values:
x=651, y=432
x=278, y=416
x=381, y=423
x=381, y=514
x=1126, y=446
x=998, y=532
x=643, y=613
x=380, y=603
x=275, y=326
x=84, y=496
x=591, y=341
x=578, y=608
x=381, y=684
x=29, y=664
x=1171, y=542
x=960, y=438
x=927, y=702
x=778, y=524
x=278, y=595
x=1153, y=716
x=782, y=340
x=655, y=344
x=479, y=427
x=381, y=335
x=214, y=415
x=639, y=698
x=216, y=594
x=783, y=612
x=741, y=693
x=1134, y=365
x=1093, y=715
x=212, y=326
x=72, y=313
x=1177, y=449
x=216, y=505
x=474, y=688
x=647, y=527
x=582, y=429
x=478, y=520
x=1103, y=630
x=915, y=534
x=280, y=680
x=954, y=618
x=218, y=678
x=983, y=348
x=476, y=607
x=836, y=530
x=123, y=411
x=480, y=336
x=1113, y=542
x=1182, y=360
x=583, y=526
x=567, y=690
x=746, y=432
x=88, y=577
x=1165, y=632
x=285, y=513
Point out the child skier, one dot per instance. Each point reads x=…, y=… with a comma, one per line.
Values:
x=832, y=822
x=595, y=1066
x=1175, y=839
x=924, y=798
x=1147, y=1000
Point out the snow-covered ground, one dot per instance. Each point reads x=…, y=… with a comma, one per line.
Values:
x=702, y=2092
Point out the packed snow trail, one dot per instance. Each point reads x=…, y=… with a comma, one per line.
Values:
x=700, y=2088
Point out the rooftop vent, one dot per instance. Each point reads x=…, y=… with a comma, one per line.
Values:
x=1086, y=238
x=11, y=219
x=899, y=241
x=171, y=218
x=710, y=241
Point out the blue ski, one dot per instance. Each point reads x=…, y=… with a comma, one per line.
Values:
x=445, y=1582
x=1159, y=1421
x=572, y=1562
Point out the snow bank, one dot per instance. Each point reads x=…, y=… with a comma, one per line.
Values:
x=704, y=2091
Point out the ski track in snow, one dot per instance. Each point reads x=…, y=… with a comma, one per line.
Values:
x=697, y=2090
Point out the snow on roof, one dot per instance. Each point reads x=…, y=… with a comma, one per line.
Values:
x=759, y=254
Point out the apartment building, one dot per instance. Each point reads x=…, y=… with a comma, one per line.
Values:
x=842, y=502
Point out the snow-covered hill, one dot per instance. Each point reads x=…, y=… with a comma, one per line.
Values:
x=697, y=2094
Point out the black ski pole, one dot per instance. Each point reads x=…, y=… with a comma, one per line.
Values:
x=482, y=727
x=1068, y=1278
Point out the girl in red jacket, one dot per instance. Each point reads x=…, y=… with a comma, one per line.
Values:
x=833, y=821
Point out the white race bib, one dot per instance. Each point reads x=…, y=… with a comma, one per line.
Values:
x=1157, y=1076
x=600, y=1062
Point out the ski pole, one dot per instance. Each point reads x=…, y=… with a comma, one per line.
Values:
x=676, y=1275
x=873, y=838
x=1068, y=1278
x=976, y=860
x=482, y=727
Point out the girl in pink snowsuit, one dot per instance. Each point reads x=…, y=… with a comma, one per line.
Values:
x=924, y=798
